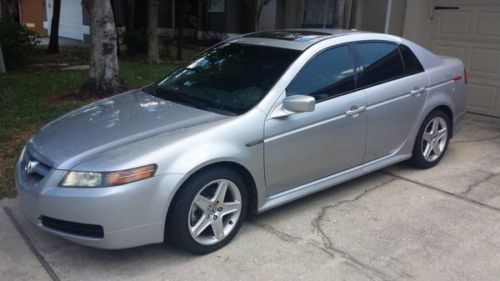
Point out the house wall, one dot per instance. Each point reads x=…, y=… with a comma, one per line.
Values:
x=267, y=20
x=397, y=20
x=416, y=25
x=292, y=14
x=31, y=12
x=233, y=18
x=371, y=15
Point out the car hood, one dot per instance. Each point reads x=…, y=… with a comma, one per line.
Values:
x=110, y=123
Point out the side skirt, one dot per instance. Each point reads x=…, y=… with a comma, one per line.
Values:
x=286, y=196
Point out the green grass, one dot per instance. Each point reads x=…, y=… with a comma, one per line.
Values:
x=29, y=101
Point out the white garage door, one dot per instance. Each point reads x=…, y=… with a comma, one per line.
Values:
x=71, y=20
x=470, y=30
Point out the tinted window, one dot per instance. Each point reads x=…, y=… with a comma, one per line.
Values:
x=412, y=65
x=229, y=79
x=380, y=61
x=326, y=75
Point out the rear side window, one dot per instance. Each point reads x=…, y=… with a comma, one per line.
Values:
x=412, y=65
x=380, y=62
x=327, y=75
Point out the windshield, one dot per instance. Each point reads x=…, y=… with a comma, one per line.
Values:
x=229, y=79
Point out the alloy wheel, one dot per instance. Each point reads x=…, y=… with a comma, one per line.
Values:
x=434, y=139
x=214, y=212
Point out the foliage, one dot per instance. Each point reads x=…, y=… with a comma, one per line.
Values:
x=136, y=41
x=17, y=41
x=165, y=44
x=73, y=55
x=31, y=101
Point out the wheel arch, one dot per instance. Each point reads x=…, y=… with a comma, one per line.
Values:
x=447, y=110
x=240, y=169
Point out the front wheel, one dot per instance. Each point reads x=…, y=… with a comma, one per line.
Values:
x=208, y=211
x=432, y=140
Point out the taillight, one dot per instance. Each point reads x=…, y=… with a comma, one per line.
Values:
x=465, y=76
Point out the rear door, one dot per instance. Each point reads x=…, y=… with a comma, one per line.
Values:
x=396, y=93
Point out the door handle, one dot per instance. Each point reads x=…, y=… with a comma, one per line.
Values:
x=417, y=91
x=355, y=110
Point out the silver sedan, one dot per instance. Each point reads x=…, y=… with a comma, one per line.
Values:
x=250, y=124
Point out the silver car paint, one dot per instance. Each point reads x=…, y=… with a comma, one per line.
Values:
x=276, y=152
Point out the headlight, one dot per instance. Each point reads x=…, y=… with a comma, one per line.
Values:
x=104, y=179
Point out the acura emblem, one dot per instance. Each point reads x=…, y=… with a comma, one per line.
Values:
x=30, y=166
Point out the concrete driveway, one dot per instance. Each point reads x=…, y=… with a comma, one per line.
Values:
x=396, y=224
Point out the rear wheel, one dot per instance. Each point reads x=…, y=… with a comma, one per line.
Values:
x=432, y=140
x=208, y=211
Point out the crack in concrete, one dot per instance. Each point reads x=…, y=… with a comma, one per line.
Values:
x=316, y=222
x=478, y=140
x=327, y=245
x=277, y=233
x=457, y=196
x=327, y=242
x=470, y=187
x=332, y=251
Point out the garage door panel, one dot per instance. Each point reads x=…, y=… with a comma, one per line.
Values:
x=488, y=23
x=486, y=61
x=481, y=3
x=70, y=25
x=484, y=97
x=457, y=23
x=453, y=51
x=472, y=33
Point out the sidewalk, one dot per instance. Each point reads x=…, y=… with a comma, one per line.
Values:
x=17, y=260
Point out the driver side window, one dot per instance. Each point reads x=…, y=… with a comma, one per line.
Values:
x=329, y=74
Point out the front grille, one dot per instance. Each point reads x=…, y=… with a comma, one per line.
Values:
x=33, y=169
x=80, y=229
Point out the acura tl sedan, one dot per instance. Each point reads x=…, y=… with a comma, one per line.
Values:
x=250, y=124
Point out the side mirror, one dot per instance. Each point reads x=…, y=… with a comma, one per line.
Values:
x=295, y=104
x=299, y=103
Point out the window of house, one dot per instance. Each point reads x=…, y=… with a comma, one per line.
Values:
x=380, y=62
x=329, y=74
x=412, y=65
x=216, y=6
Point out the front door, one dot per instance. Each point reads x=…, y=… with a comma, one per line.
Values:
x=308, y=146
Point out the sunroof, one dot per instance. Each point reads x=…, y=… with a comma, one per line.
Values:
x=290, y=35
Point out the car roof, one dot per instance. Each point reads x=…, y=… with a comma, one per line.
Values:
x=298, y=39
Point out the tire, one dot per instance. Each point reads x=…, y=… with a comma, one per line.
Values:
x=431, y=143
x=213, y=220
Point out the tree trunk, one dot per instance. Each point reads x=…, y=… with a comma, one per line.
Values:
x=54, y=28
x=152, y=32
x=118, y=51
x=103, y=77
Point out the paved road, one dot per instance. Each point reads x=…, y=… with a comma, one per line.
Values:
x=396, y=224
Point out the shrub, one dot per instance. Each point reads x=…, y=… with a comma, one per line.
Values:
x=165, y=51
x=136, y=42
x=17, y=41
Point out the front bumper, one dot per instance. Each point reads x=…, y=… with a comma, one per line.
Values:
x=130, y=215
